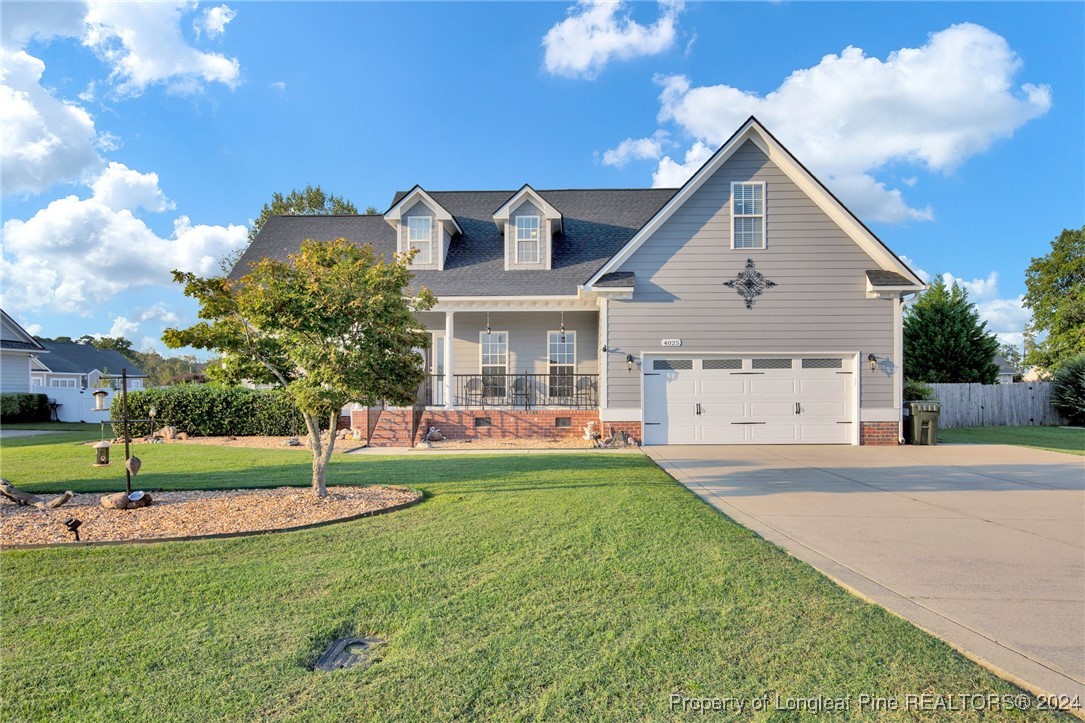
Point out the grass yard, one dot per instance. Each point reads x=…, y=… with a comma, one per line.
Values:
x=564, y=587
x=1056, y=439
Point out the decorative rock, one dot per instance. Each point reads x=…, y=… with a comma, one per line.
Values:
x=167, y=432
x=434, y=435
x=122, y=501
x=181, y=436
x=292, y=442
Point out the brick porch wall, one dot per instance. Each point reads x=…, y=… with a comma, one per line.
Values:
x=633, y=429
x=878, y=433
x=508, y=423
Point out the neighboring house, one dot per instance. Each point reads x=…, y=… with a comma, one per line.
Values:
x=81, y=366
x=1006, y=372
x=17, y=350
x=748, y=306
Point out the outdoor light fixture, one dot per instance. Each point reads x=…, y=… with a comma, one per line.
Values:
x=873, y=361
x=487, y=322
x=563, y=326
x=101, y=454
x=629, y=362
x=604, y=348
x=73, y=526
x=99, y=400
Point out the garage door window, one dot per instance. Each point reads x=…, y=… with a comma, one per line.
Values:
x=672, y=364
x=822, y=363
x=722, y=364
x=771, y=364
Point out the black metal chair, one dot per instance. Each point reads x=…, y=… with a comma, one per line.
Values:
x=474, y=391
x=585, y=392
x=521, y=392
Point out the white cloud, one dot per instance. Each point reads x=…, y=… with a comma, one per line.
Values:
x=852, y=115
x=598, y=31
x=143, y=44
x=1006, y=317
x=672, y=174
x=26, y=21
x=977, y=288
x=921, y=273
x=122, y=326
x=130, y=328
x=635, y=149
x=33, y=329
x=46, y=140
x=79, y=252
x=279, y=85
x=213, y=21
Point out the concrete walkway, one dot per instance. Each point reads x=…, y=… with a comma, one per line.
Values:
x=983, y=546
x=383, y=451
x=12, y=433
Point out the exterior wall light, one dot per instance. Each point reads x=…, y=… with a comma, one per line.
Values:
x=873, y=361
x=629, y=362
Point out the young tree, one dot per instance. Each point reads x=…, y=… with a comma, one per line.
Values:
x=944, y=340
x=1055, y=293
x=333, y=324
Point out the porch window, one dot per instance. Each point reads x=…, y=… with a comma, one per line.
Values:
x=420, y=236
x=562, y=346
x=748, y=215
x=527, y=239
x=62, y=383
x=494, y=348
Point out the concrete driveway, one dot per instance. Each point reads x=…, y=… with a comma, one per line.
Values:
x=983, y=546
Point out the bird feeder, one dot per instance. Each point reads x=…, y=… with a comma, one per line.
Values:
x=101, y=454
x=99, y=400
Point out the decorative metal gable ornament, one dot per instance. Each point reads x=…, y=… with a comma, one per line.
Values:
x=750, y=283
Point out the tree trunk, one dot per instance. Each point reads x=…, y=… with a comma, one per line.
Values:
x=320, y=464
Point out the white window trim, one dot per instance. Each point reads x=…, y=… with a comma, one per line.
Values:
x=481, y=349
x=420, y=259
x=568, y=333
x=763, y=216
x=538, y=240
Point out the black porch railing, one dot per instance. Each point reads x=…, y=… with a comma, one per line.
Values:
x=579, y=391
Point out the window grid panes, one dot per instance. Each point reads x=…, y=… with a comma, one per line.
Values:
x=495, y=359
x=527, y=239
x=721, y=364
x=748, y=215
x=420, y=236
x=562, y=347
x=771, y=364
x=822, y=363
x=672, y=364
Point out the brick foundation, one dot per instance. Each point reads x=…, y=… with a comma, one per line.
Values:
x=508, y=423
x=633, y=429
x=879, y=433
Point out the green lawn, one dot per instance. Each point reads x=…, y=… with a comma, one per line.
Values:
x=568, y=587
x=1056, y=439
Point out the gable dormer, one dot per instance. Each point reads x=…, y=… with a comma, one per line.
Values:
x=423, y=224
x=528, y=223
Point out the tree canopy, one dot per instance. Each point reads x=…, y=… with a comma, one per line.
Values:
x=333, y=324
x=944, y=339
x=1055, y=294
x=312, y=201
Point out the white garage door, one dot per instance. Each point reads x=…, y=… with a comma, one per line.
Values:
x=782, y=399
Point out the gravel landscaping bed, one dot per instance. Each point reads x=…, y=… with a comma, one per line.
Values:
x=183, y=514
x=341, y=445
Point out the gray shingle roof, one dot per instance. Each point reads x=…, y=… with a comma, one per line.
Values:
x=20, y=345
x=597, y=223
x=617, y=279
x=1004, y=367
x=877, y=277
x=65, y=358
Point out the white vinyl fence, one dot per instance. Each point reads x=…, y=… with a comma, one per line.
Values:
x=76, y=405
x=992, y=405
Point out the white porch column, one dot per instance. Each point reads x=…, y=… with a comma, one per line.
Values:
x=450, y=339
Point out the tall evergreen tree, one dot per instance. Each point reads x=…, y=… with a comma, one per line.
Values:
x=944, y=339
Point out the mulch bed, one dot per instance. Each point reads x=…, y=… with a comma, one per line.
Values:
x=195, y=513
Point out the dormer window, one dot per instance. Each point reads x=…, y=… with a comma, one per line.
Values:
x=748, y=215
x=420, y=236
x=527, y=239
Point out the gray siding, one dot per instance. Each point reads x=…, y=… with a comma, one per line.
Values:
x=528, y=352
x=14, y=371
x=818, y=304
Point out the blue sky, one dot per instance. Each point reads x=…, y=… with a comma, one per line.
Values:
x=144, y=137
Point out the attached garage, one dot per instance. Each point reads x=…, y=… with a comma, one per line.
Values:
x=750, y=399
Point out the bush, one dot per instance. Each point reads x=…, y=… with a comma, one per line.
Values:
x=24, y=407
x=1068, y=393
x=914, y=390
x=214, y=411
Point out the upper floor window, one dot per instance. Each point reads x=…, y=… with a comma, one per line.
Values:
x=748, y=215
x=527, y=239
x=420, y=236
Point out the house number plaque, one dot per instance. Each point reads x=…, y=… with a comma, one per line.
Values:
x=672, y=342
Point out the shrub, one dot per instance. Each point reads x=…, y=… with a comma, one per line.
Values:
x=24, y=407
x=213, y=410
x=914, y=390
x=1068, y=393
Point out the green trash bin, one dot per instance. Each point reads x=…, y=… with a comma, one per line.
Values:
x=922, y=426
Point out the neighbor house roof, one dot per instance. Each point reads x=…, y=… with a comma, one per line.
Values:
x=1004, y=367
x=596, y=224
x=15, y=337
x=66, y=358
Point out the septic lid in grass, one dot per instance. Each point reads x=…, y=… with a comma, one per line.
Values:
x=347, y=653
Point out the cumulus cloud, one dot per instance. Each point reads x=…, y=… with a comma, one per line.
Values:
x=78, y=252
x=26, y=21
x=46, y=140
x=1006, y=317
x=598, y=31
x=213, y=21
x=635, y=149
x=279, y=85
x=852, y=115
x=977, y=288
x=921, y=273
x=143, y=44
x=132, y=327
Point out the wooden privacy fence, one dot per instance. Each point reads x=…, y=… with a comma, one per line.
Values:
x=992, y=405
